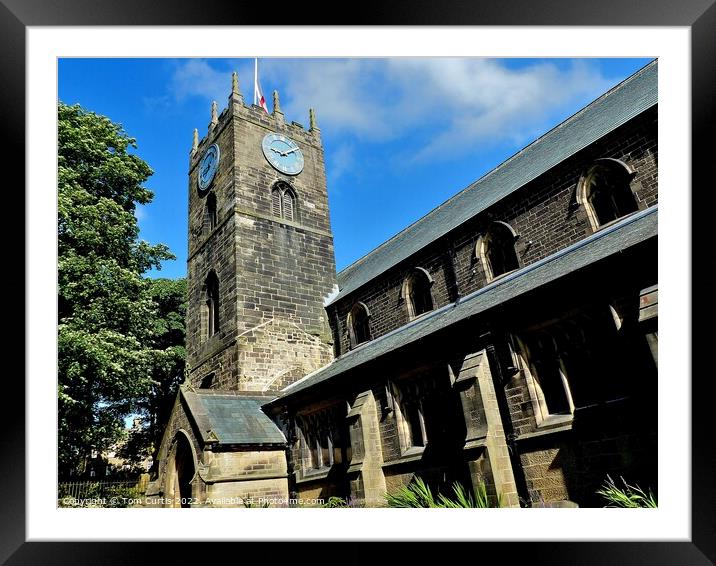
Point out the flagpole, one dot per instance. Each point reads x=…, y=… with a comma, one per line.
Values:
x=256, y=76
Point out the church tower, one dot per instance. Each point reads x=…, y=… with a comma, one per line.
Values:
x=260, y=268
x=261, y=261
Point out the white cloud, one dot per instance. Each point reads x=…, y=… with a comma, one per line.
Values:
x=344, y=92
x=457, y=104
x=210, y=80
x=196, y=77
x=452, y=106
x=342, y=160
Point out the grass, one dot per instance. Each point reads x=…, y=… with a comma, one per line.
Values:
x=631, y=496
x=418, y=494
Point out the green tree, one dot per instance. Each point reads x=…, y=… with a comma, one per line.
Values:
x=106, y=312
x=168, y=363
x=169, y=356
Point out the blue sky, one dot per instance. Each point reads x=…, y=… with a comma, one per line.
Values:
x=400, y=136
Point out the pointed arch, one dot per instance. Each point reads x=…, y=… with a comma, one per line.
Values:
x=605, y=191
x=359, y=324
x=283, y=201
x=416, y=292
x=496, y=249
x=181, y=470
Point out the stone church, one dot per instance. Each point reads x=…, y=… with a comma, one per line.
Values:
x=507, y=338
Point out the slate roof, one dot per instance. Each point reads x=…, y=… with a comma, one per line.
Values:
x=230, y=418
x=628, y=99
x=628, y=232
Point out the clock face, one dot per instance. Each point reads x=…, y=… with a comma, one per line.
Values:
x=208, y=166
x=283, y=153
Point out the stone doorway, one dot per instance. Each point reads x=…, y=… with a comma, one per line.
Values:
x=181, y=469
x=185, y=470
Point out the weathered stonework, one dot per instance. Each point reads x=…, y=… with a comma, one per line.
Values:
x=537, y=395
x=544, y=213
x=274, y=274
x=270, y=326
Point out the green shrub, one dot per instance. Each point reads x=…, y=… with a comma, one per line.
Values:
x=335, y=502
x=99, y=494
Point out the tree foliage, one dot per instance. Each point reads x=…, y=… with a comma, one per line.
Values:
x=108, y=345
x=169, y=295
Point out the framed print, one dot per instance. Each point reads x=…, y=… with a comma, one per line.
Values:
x=501, y=342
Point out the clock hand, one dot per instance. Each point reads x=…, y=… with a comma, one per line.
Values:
x=290, y=151
x=276, y=150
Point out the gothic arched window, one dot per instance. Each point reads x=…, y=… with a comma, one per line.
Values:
x=211, y=305
x=359, y=324
x=407, y=403
x=417, y=294
x=541, y=357
x=605, y=192
x=211, y=214
x=283, y=201
x=497, y=250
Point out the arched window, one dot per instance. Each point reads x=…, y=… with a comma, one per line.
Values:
x=319, y=443
x=409, y=417
x=283, y=201
x=417, y=294
x=211, y=305
x=540, y=359
x=211, y=214
x=605, y=192
x=497, y=250
x=359, y=324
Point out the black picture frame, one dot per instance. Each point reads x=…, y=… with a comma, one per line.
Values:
x=698, y=15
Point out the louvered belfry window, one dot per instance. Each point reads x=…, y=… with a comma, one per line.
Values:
x=276, y=202
x=283, y=201
x=288, y=205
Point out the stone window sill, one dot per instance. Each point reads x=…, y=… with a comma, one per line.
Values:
x=615, y=221
x=313, y=475
x=550, y=425
x=503, y=275
x=410, y=455
x=556, y=420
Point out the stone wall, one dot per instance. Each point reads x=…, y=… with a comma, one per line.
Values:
x=274, y=273
x=545, y=214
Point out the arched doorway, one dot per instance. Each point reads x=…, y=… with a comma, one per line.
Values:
x=185, y=469
x=180, y=472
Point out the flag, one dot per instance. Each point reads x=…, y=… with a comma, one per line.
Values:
x=258, y=94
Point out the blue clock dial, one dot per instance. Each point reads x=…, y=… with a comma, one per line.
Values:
x=283, y=153
x=208, y=166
